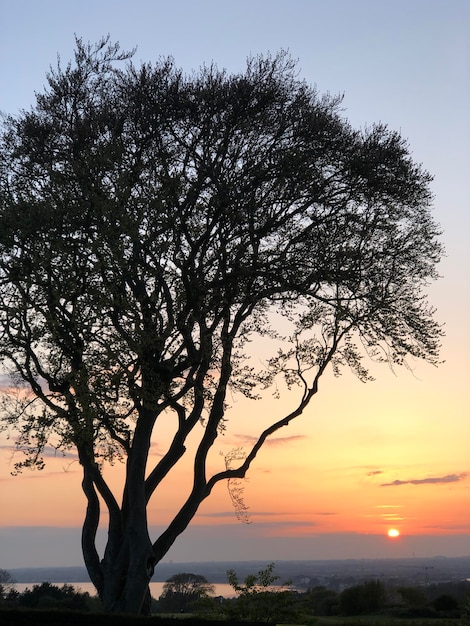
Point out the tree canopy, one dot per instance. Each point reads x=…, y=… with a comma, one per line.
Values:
x=153, y=225
x=183, y=591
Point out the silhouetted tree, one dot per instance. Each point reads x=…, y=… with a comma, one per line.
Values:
x=7, y=583
x=413, y=596
x=47, y=596
x=182, y=592
x=322, y=601
x=368, y=597
x=152, y=225
x=446, y=603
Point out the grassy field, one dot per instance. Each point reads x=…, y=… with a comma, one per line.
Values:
x=73, y=618
x=387, y=620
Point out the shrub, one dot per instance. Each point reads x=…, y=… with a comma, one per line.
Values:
x=368, y=597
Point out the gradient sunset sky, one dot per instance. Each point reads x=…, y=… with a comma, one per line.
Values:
x=394, y=453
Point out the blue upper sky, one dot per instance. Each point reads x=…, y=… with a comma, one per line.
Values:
x=405, y=62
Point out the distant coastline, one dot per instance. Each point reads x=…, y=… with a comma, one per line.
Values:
x=302, y=573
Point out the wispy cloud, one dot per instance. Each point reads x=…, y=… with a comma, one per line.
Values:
x=450, y=527
x=432, y=480
x=218, y=514
x=5, y=381
x=49, y=452
x=264, y=514
x=389, y=506
x=324, y=513
x=8, y=447
x=274, y=441
x=227, y=514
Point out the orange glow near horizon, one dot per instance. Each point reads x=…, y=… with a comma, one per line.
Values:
x=319, y=476
x=360, y=461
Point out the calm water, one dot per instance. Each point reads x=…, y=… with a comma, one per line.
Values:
x=155, y=588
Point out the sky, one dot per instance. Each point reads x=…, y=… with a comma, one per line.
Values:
x=364, y=458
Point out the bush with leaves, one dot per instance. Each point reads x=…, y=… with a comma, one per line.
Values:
x=368, y=597
x=6, y=584
x=261, y=598
x=183, y=592
x=48, y=596
x=446, y=603
x=322, y=601
x=413, y=596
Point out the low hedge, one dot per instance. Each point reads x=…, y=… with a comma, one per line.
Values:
x=38, y=617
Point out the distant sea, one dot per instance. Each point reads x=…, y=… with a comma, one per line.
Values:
x=303, y=574
x=156, y=588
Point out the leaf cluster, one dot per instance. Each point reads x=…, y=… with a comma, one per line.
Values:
x=183, y=592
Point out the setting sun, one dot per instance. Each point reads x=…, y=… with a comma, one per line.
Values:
x=393, y=532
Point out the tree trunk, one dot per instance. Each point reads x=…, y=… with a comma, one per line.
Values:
x=129, y=559
x=127, y=578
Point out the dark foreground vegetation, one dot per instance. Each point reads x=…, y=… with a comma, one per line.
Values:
x=38, y=617
x=191, y=598
x=77, y=618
